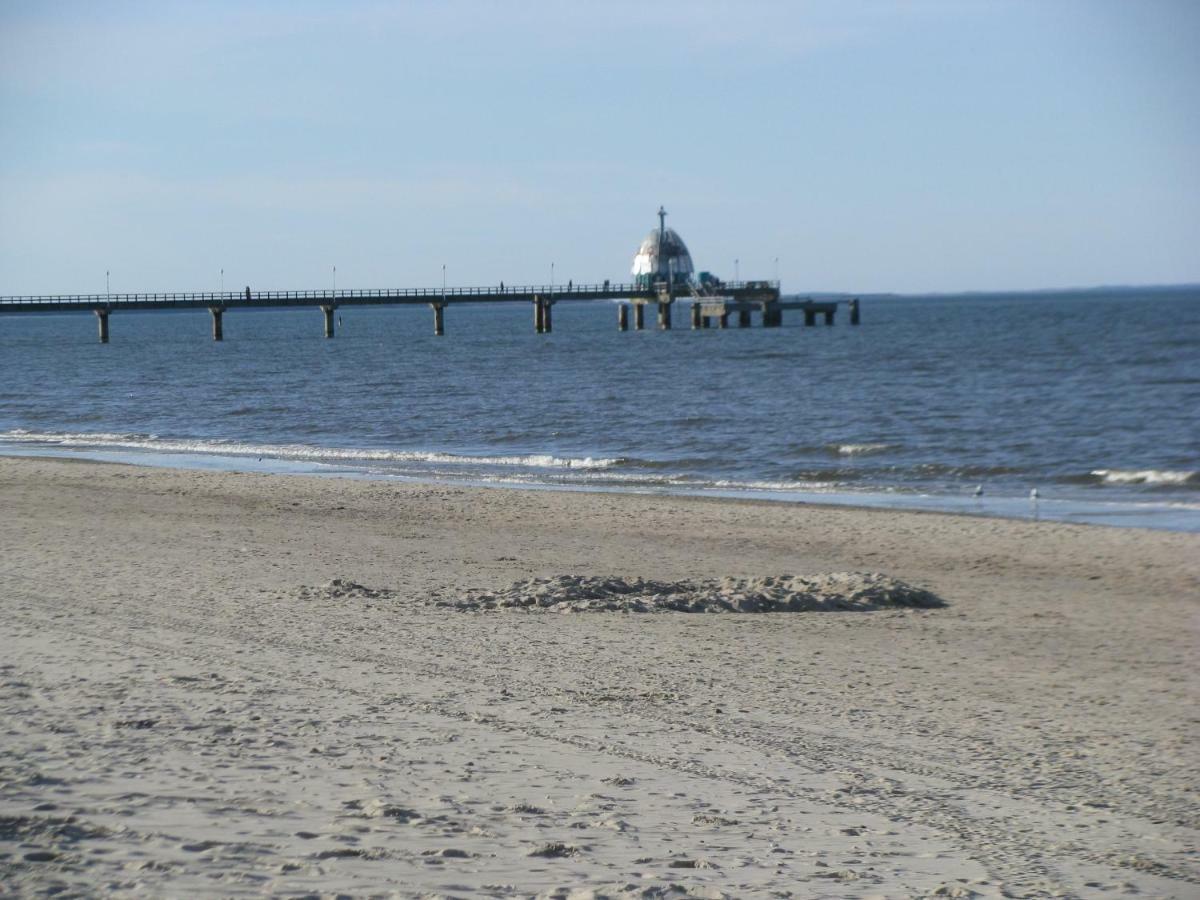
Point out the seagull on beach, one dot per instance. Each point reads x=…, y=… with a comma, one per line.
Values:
x=978, y=490
x=1033, y=495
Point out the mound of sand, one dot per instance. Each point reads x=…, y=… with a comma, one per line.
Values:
x=780, y=593
x=580, y=593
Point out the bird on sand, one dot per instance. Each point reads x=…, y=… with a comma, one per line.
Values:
x=979, y=490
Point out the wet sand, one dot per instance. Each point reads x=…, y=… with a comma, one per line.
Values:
x=187, y=712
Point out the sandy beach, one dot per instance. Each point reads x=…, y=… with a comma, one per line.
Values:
x=189, y=709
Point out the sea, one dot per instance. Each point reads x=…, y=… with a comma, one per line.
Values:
x=965, y=404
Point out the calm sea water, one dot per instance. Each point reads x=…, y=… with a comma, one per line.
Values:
x=1092, y=399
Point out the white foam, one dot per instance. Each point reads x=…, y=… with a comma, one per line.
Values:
x=155, y=444
x=1145, y=476
x=861, y=449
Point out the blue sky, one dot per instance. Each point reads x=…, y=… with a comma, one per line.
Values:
x=867, y=146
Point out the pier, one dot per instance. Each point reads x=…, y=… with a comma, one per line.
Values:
x=663, y=276
x=743, y=299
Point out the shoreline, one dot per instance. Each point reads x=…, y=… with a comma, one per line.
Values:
x=1167, y=515
x=210, y=720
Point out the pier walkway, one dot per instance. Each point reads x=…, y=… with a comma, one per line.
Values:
x=742, y=297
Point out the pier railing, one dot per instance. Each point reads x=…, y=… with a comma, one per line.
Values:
x=495, y=294
x=715, y=306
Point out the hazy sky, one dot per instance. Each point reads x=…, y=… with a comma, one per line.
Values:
x=869, y=146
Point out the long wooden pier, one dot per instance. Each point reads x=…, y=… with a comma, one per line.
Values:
x=743, y=297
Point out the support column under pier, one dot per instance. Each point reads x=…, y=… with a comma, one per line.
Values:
x=439, y=324
x=829, y=317
x=724, y=319
x=664, y=316
x=772, y=316
x=810, y=318
x=102, y=322
x=539, y=320
x=218, y=330
x=622, y=317
x=328, y=310
x=695, y=316
x=743, y=318
x=639, y=316
x=854, y=312
x=547, y=316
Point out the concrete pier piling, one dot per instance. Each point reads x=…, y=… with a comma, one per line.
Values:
x=622, y=317
x=772, y=317
x=743, y=318
x=664, y=316
x=218, y=330
x=328, y=310
x=102, y=322
x=439, y=324
x=810, y=318
x=695, y=316
x=543, y=318
x=639, y=316
x=723, y=319
x=829, y=317
x=854, y=311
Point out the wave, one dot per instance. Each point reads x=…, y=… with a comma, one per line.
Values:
x=646, y=481
x=1145, y=476
x=858, y=449
x=685, y=472
x=966, y=471
x=155, y=444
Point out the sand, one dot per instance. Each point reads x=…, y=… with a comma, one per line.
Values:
x=191, y=707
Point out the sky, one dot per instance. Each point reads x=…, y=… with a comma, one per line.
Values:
x=843, y=146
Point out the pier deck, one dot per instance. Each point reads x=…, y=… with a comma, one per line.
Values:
x=742, y=290
x=742, y=297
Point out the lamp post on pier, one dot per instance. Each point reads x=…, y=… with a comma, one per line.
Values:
x=107, y=289
x=737, y=272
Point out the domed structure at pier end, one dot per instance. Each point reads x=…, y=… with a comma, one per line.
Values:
x=663, y=256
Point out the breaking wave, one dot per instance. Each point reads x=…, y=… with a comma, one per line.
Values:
x=301, y=452
x=858, y=449
x=1146, y=476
